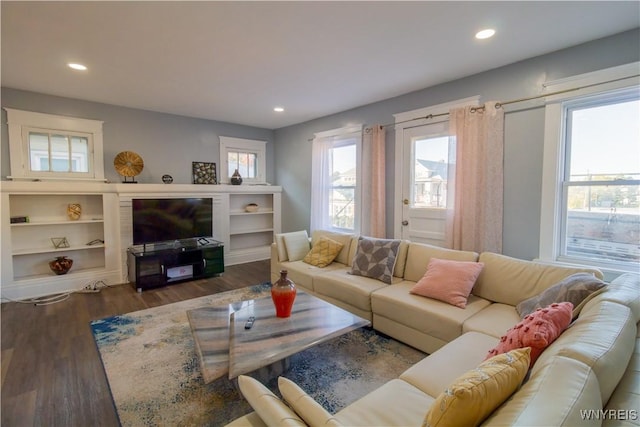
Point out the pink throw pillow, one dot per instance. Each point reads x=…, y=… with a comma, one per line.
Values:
x=448, y=281
x=537, y=330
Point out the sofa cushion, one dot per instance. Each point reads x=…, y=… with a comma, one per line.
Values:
x=509, y=280
x=576, y=289
x=537, y=330
x=308, y=409
x=435, y=372
x=401, y=258
x=603, y=338
x=432, y=317
x=494, y=320
x=375, y=258
x=476, y=394
x=345, y=239
x=625, y=290
x=419, y=255
x=396, y=403
x=556, y=395
x=353, y=290
x=448, y=281
x=267, y=405
x=323, y=252
x=302, y=273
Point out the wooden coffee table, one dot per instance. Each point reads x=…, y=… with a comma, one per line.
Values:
x=225, y=347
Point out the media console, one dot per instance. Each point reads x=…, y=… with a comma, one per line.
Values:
x=152, y=266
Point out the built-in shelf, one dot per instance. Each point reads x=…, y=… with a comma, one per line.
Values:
x=57, y=222
x=28, y=247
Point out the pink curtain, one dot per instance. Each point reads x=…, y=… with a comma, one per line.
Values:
x=373, y=183
x=474, y=222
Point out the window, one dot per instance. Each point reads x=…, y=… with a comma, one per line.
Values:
x=246, y=155
x=45, y=146
x=335, y=180
x=56, y=152
x=430, y=172
x=597, y=197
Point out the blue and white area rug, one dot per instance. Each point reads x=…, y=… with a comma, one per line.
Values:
x=152, y=367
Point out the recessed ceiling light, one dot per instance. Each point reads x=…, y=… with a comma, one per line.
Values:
x=78, y=67
x=278, y=109
x=485, y=34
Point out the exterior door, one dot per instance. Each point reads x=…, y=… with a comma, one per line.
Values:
x=425, y=159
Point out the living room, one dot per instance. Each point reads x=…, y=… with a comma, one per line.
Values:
x=169, y=143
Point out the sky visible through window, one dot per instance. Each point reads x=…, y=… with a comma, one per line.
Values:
x=606, y=139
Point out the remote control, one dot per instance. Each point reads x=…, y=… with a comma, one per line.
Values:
x=249, y=323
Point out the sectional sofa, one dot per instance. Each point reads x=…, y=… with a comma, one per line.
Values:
x=589, y=375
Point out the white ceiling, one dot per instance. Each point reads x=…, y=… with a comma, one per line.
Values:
x=235, y=61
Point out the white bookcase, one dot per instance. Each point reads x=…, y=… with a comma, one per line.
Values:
x=27, y=247
x=251, y=233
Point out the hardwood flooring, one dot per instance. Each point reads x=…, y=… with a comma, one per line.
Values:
x=51, y=371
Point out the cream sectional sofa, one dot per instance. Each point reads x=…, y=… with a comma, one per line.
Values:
x=589, y=376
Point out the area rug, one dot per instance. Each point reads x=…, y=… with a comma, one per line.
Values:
x=151, y=364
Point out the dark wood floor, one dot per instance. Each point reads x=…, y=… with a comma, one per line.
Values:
x=51, y=370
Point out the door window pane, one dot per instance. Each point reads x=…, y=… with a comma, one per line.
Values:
x=430, y=172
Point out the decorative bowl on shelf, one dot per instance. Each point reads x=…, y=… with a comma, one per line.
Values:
x=61, y=265
x=251, y=207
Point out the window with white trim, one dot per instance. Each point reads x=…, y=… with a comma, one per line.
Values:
x=247, y=156
x=335, y=180
x=46, y=146
x=596, y=206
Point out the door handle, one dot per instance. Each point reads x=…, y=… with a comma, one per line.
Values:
x=405, y=222
x=405, y=201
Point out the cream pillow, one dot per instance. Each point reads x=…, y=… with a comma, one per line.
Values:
x=323, y=252
x=297, y=245
x=308, y=409
x=266, y=404
x=476, y=394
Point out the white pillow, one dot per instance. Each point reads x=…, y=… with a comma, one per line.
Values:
x=281, y=246
x=297, y=244
x=309, y=410
x=266, y=404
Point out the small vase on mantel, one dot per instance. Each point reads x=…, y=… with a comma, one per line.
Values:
x=236, y=179
x=283, y=294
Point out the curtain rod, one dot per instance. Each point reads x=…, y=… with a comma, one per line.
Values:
x=514, y=101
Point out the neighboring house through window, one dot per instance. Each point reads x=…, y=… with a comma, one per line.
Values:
x=46, y=146
x=591, y=185
x=335, y=194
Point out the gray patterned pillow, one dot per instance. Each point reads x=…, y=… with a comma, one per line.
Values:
x=577, y=289
x=375, y=258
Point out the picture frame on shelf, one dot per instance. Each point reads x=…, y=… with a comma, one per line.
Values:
x=204, y=173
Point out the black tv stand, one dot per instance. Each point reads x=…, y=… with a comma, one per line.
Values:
x=164, y=263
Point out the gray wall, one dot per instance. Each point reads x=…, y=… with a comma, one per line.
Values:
x=167, y=143
x=524, y=134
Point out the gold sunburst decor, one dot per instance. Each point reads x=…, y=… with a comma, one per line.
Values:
x=128, y=164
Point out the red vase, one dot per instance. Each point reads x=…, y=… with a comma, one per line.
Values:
x=283, y=294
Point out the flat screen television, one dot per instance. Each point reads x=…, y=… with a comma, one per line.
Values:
x=159, y=220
